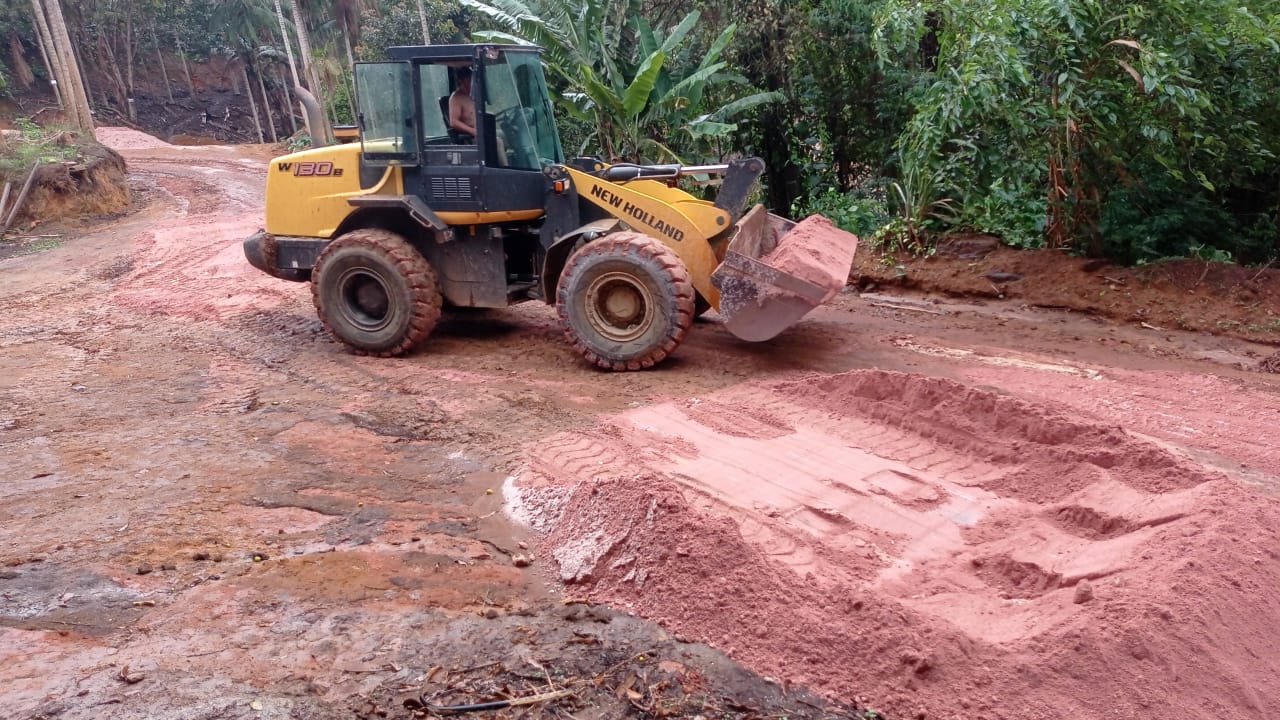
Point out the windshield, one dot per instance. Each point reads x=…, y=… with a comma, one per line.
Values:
x=517, y=97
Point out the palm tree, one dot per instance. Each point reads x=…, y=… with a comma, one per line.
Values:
x=308, y=69
x=304, y=44
x=242, y=22
x=288, y=46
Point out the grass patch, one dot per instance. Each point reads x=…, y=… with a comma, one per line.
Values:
x=47, y=145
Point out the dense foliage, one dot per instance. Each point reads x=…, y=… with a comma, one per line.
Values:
x=643, y=93
x=1134, y=130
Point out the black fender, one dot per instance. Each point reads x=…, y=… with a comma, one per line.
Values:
x=559, y=252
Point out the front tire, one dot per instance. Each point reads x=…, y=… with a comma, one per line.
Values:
x=625, y=301
x=375, y=293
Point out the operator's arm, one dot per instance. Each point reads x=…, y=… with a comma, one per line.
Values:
x=458, y=116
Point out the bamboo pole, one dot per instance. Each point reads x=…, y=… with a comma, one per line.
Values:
x=4, y=197
x=22, y=197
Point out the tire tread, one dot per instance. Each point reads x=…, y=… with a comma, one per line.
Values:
x=424, y=291
x=676, y=281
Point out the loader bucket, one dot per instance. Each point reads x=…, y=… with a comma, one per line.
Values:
x=775, y=271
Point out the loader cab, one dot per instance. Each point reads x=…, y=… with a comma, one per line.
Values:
x=404, y=121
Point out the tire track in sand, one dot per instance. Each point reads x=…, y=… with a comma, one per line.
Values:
x=977, y=515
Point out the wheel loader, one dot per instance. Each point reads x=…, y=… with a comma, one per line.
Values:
x=417, y=216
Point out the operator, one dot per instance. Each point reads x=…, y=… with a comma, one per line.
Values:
x=462, y=109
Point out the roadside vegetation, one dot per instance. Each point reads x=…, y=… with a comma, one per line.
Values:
x=1134, y=131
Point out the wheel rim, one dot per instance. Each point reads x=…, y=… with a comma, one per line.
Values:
x=619, y=307
x=366, y=302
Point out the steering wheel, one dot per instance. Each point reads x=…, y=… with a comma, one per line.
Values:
x=514, y=126
x=508, y=117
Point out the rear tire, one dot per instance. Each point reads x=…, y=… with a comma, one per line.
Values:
x=375, y=293
x=625, y=301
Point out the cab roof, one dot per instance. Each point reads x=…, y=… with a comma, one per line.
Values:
x=453, y=52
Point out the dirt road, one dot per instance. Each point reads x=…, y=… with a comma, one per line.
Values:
x=929, y=508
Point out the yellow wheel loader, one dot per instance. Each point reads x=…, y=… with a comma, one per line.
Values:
x=418, y=215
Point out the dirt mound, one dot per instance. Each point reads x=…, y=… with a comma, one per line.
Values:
x=94, y=184
x=1187, y=294
x=928, y=546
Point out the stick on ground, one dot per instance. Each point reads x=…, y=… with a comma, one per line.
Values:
x=22, y=197
x=4, y=197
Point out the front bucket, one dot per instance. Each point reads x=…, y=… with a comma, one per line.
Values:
x=775, y=271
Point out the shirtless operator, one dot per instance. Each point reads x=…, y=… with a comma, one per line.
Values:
x=462, y=109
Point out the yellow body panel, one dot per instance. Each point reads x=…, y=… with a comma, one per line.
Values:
x=681, y=221
x=307, y=191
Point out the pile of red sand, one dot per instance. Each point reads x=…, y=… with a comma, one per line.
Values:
x=1161, y=603
x=816, y=251
x=121, y=138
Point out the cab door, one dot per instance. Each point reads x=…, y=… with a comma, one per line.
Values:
x=388, y=114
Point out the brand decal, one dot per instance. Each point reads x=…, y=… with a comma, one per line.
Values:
x=623, y=207
x=310, y=169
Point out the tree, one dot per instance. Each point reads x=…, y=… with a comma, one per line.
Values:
x=288, y=46
x=21, y=70
x=636, y=86
x=398, y=22
x=242, y=22
x=1120, y=129
x=48, y=14
x=422, y=18
x=304, y=44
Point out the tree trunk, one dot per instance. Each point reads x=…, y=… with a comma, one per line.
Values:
x=164, y=72
x=253, y=104
x=422, y=16
x=304, y=45
x=108, y=58
x=266, y=105
x=293, y=68
x=346, y=41
x=128, y=55
x=288, y=101
x=21, y=70
x=350, y=85
x=52, y=60
x=288, y=46
x=81, y=76
x=79, y=100
x=191, y=86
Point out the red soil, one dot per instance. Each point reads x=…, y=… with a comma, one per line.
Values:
x=816, y=251
x=938, y=550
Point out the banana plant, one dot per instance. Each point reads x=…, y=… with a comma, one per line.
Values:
x=625, y=79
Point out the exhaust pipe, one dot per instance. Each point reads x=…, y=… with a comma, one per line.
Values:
x=318, y=127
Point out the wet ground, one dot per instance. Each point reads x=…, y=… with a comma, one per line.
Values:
x=211, y=510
